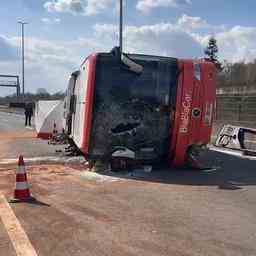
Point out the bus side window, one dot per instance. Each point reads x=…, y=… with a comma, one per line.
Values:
x=73, y=104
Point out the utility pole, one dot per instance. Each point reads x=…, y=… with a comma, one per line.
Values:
x=23, y=57
x=121, y=27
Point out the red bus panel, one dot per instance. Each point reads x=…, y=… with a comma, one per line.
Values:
x=196, y=96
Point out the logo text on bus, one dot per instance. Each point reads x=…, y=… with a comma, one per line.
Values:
x=185, y=113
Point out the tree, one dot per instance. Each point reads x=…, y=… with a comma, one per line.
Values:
x=211, y=51
x=42, y=91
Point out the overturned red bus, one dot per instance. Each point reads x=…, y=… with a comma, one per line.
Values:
x=157, y=107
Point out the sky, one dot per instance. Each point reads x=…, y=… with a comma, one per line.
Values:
x=62, y=33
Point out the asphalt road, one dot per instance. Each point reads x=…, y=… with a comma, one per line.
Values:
x=16, y=139
x=11, y=123
x=166, y=212
x=171, y=212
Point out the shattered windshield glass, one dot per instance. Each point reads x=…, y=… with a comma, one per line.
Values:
x=133, y=110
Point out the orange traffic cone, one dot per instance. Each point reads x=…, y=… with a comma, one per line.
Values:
x=21, y=192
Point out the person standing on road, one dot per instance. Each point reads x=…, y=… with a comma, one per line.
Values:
x=28, y=113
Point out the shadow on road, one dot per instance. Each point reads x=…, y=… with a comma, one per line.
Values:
x=33, y=201
x=227, y=172
x=38, y=203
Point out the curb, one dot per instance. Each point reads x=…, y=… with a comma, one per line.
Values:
x=44, y=160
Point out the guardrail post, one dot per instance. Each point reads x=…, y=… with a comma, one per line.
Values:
x=239, y=111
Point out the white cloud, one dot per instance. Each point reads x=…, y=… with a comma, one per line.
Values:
x=49, y=63
x=192, y=23
x=162, y=39
x=238, y=44
x=72, y=6
x=49, y=21
x=183, y=40
x=147, y=5
x=106, y=32
x=82, y=7
x=96, y=6
x=8, y=51
x=159, y=39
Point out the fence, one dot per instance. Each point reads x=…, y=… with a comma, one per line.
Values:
x=236, y=109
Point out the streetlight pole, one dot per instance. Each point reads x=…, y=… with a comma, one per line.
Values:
x=23, y=56
x=121, y=27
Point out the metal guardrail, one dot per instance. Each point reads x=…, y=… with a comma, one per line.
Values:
x=236, y=108
x=9, y=83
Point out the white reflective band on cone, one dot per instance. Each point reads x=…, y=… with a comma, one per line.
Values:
x=22, y=185
x=21, y=170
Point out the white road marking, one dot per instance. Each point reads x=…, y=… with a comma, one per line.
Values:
x=18, y=237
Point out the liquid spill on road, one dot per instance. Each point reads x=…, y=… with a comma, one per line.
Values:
x=17, y=135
